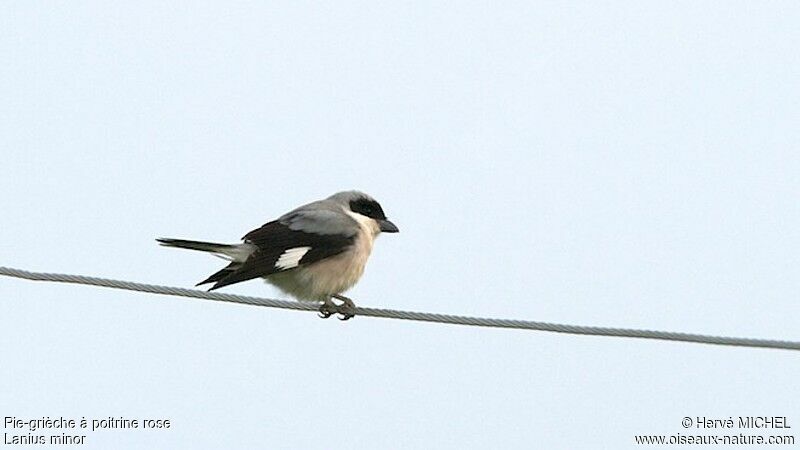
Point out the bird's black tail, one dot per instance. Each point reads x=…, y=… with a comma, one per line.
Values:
x=196, y=245
x=211, y=247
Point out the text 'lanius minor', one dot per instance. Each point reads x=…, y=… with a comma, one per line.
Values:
x=313, y=253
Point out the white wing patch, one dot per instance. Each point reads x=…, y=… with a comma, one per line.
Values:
x=291, y=258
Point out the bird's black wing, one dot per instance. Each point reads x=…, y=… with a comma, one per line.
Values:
x=274, y=240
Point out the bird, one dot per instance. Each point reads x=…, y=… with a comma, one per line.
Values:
x=313, y=253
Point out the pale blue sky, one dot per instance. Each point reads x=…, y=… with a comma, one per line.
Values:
x=629, y=164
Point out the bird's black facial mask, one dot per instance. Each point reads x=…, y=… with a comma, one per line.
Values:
x=367, y=207
x=372, y=209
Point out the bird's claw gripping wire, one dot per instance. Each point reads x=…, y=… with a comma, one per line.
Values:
x=345, y=311
x=326, y=310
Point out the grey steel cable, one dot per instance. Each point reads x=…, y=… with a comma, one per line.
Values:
x=405, y=315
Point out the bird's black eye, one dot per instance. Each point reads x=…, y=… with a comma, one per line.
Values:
x=367, y=207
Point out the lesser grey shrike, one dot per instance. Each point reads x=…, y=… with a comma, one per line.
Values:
x=314, y=252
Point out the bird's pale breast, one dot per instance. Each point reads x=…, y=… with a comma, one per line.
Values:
x=333, y=275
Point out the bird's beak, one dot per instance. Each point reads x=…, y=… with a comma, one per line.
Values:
x=387, y=226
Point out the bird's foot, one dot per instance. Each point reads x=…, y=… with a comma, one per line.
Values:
x=347, y=309
x=344, y=311
x=328, y=308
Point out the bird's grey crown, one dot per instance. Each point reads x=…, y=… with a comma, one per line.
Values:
x=345, y=197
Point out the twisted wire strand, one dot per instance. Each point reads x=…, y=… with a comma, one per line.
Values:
x=404, y=315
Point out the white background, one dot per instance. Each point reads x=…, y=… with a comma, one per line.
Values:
x=630, y=164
